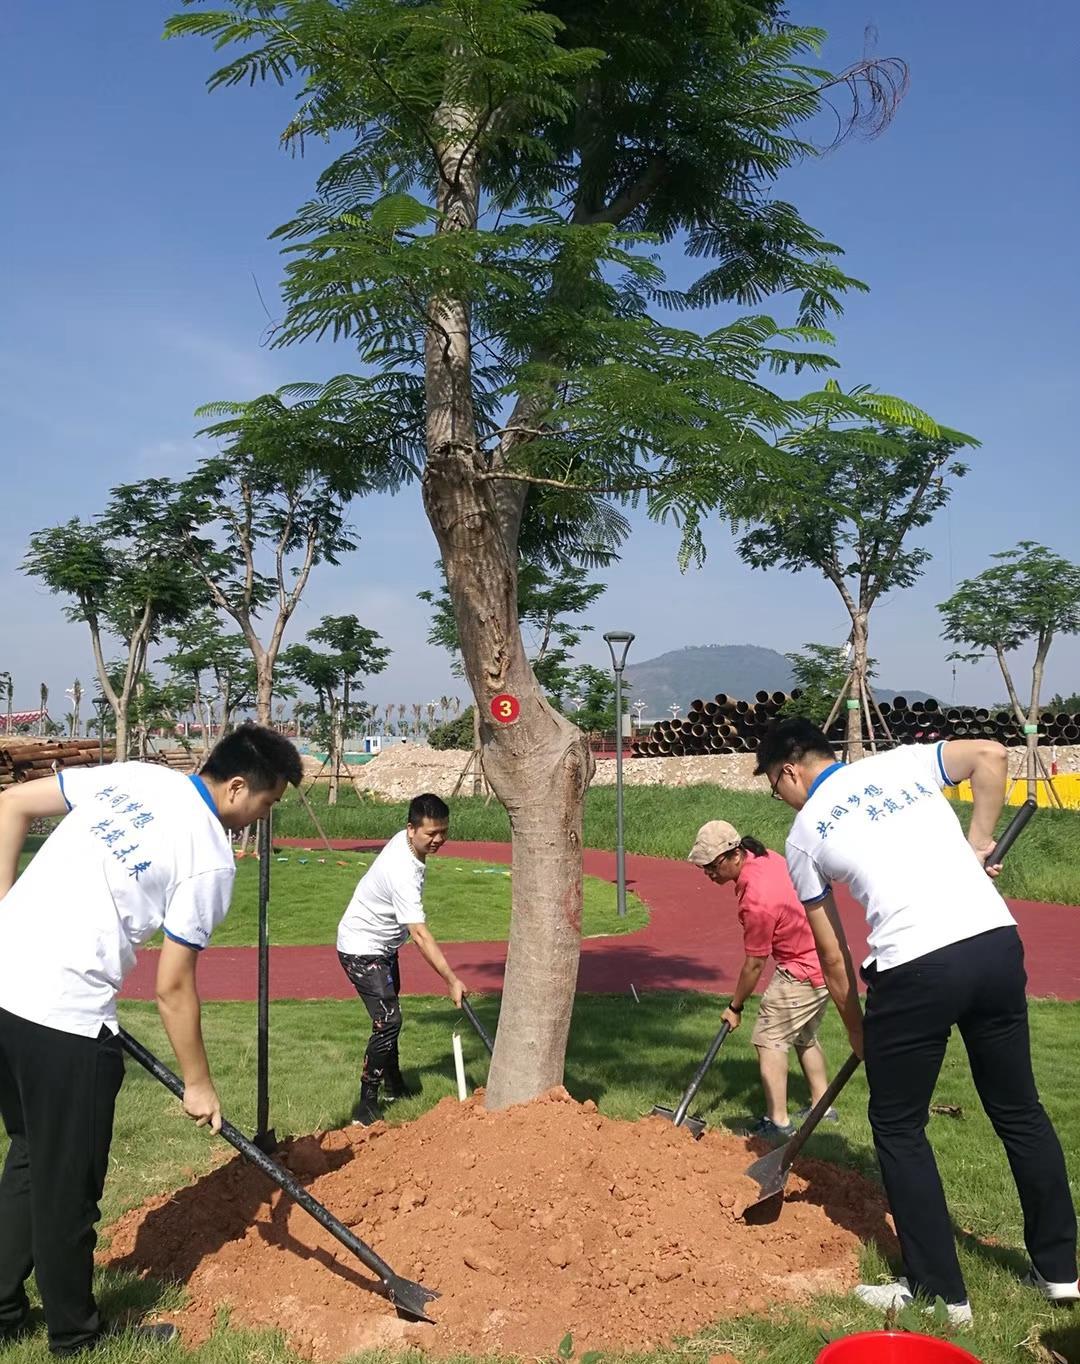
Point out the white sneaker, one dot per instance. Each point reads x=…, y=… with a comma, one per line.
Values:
x=887, y=1297
x=1053, y=1292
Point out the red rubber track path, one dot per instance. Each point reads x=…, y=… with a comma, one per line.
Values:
x=692, y=942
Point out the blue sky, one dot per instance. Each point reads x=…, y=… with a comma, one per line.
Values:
x=138, y=226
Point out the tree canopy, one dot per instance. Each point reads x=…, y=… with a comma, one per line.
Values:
x=487, y=240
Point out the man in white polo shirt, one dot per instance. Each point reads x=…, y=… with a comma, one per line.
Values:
x=139, y=848
x=386, y=910
x=944, y=951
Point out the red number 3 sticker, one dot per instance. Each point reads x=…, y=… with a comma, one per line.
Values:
x=505, y=708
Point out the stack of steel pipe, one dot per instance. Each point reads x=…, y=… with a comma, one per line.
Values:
x=729, y=725
x=921, y=721
x=722, y=725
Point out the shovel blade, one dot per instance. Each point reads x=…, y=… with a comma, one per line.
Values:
x=770, y=1173
x=411, y=1299
x=695, y=1126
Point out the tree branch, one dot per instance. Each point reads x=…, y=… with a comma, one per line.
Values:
x=631, y=198
x=1013, y=697
x=902, y=530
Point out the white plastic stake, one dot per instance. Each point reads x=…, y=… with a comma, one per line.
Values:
x=459, y=1068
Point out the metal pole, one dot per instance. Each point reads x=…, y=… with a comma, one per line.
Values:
x=620, y=850
x=264, y=1136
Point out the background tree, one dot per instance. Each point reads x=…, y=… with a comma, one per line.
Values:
x=487, y=238
x=253, y=522
x=1027, y=598
x=454, y=733
x=335, y=676
x=594, y=688
x=856, y=495
x=821, y=674
x=217, y=667
x=43, y=710
x=125, y=581
x=158, y=705
x=7, y=693
x=358, y=655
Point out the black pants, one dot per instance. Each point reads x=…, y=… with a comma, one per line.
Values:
x=378, y=983
x=57, y=1097
x=979, y=985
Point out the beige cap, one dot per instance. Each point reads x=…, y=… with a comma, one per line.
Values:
x=713, y=840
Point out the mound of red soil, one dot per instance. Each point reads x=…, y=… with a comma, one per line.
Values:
x=532, y=1222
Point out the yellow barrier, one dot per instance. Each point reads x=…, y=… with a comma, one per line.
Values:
x=1067, y=787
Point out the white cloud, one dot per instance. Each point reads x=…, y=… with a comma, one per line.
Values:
x=234, y=368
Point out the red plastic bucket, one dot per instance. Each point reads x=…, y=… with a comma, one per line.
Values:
x=893, y=1347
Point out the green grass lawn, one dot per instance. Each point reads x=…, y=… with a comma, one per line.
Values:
x=627, y=1057
x=464, y=901
x=662, y=821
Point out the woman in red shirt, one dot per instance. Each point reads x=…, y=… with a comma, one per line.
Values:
x=774, y=924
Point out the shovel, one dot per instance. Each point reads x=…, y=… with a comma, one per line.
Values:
x=409, y=1298
x=771, y=1171
x=470, y=1013
x=695, y=1126
x=1012, y=832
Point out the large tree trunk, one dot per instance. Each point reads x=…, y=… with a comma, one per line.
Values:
x=539, y=767
x=264, y=694
x=1038, y=667
x=538, y=763
x=336, y=746
x=857, y=689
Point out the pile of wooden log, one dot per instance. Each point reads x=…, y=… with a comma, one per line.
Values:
x=25, y=761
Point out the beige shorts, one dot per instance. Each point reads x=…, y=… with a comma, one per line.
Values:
x=790, y=1013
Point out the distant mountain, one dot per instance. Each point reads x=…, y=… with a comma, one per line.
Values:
x=702, y=670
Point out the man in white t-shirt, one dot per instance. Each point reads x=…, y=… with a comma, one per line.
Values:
x=944, y=951
x=386, y=910
x=139, y=848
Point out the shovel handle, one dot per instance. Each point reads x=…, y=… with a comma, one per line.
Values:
x=799, y=1140
x=470, y=1013
x=1012, y=832
x=699, y=1075
x=281, y=1177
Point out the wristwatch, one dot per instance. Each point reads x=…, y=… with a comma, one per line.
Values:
x=736, y=1008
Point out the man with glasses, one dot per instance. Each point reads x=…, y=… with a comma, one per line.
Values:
x=944, y=951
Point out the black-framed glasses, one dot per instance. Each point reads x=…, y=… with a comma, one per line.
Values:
x=774, y=784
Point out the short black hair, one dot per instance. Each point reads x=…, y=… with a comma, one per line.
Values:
x=789, y=741
x=427, y=806
x=261, y=756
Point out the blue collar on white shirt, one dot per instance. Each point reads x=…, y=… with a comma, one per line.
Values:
x=821, y=776
x=203, y=791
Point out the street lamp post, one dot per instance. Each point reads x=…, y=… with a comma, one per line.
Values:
x=618, y=642
x=101, y=705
